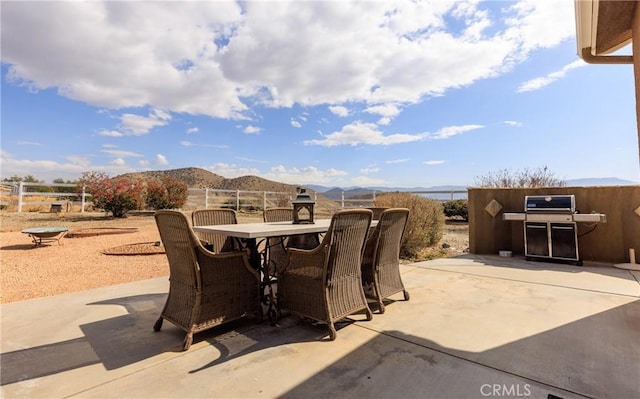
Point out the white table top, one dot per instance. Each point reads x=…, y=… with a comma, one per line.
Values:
x=271, y=229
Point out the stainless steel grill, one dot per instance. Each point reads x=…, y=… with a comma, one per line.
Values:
x=550, y=226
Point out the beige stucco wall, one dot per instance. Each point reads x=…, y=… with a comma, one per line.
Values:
x=609, y=242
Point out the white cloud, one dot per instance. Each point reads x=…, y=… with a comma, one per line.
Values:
x=136, y=125
x=403, y=160
x=122, y=154
x=27, y=143
x=389, y=110
x=339, y=110
x=161, y=160
x=513, y=123
x=295, y=123
x=305, y=175
x=370, y=169
x=217, y=58
x=110, y=133
x=450, y=131
x=186, y=143
x=193, y=130
x=48, y=170
x=363, y=133
x=540, y=82
x=434, y=162
x=251, y=130
x=231, y=170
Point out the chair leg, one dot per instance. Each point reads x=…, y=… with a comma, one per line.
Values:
x=332, y=331
x=381, y=306
x=406, y=295
x=188, y=339
x=369, y=314
x=158, y=324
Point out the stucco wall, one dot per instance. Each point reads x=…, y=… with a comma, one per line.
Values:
x=609, y=242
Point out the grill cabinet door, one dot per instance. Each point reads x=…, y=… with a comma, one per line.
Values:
x=564, y=241
x=536, y=239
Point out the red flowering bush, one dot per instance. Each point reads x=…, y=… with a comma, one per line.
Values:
x=117, y=195
x=166, y=193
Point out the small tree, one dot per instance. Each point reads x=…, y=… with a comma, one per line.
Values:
x=166, y=193
x=117, y=195
x=540, y=177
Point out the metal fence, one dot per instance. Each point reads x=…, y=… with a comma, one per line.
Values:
x=24, y=195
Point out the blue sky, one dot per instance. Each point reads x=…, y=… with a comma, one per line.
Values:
x=336, y=93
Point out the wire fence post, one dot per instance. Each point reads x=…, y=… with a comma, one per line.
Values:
x=264, y=200
x=342, y=200
x=238, y=200
x=206, y=198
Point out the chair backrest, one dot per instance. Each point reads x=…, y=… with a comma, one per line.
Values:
x=278, y=215
x=346, y=237
x=387, y=235
x=179, y=244
x=211, y=217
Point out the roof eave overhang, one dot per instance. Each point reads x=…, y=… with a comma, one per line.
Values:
x=588, y=18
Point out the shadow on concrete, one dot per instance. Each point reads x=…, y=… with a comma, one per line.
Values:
x=597, y=356
x=115, y=342
x=289, y=330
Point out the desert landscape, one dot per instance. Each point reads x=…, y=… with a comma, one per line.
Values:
x=79, y=261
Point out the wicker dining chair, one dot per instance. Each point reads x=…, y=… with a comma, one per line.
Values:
x=278, y=245
x=381, y=262
x=208, y=217
x=325, y=283
x=205, y=289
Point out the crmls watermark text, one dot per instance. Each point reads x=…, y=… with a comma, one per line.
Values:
x=505, y=390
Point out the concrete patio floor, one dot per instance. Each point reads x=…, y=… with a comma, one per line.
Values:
x=475, y=326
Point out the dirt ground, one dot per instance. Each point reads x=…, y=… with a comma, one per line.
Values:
x=78, y=262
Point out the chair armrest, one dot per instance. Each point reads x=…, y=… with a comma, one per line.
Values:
x=236, y=259
x=306, y=258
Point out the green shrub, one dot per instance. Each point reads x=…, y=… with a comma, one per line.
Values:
x=456, y=208
x=426, y=220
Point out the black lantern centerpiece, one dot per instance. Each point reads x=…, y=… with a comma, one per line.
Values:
x=303, y=208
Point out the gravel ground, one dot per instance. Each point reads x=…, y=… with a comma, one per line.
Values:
x=79, y=263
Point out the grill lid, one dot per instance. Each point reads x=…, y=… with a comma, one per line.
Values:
x=550, y=203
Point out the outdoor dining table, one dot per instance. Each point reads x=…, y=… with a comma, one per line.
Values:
x=249, y=233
